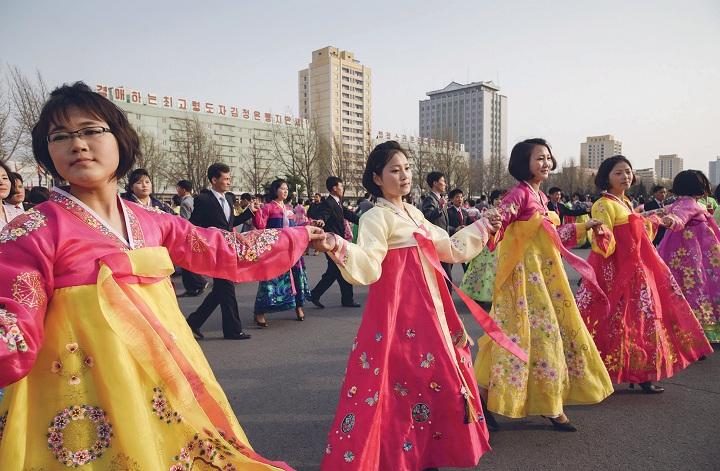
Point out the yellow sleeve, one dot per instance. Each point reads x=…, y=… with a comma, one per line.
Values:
x=604, y=211
x=464, y=245
x=361, y=263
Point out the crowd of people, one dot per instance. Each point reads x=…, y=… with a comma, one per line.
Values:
x=92, y=331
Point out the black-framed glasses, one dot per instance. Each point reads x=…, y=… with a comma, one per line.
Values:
x=90, y=132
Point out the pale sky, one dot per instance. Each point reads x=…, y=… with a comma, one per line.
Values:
x=647, y=72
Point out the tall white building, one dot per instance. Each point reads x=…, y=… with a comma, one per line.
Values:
x=667, y=166
x=595, y=149
x=474, y=115
x=714, y=171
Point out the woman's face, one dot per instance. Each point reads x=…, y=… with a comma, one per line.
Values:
x=282, y=192
x=396, y=178
x=87, y=162
x=19, y=195
x=5, y=184
x=142, y=188
x=540, y=163
x=620, y=177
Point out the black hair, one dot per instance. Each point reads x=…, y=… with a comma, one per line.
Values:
x=135, y=177
x=554, y=189
x=332, y=182
x=602, y=178
x=274, y=187
x=519, y=164
x=80, y=96
x=38, y=194
x=433, y=177
x=216, y=170
x=14, y=177
x=691, y=183
x=246, y=197
x=496, y=194
x=12, y=182
x=454, y=193
x=657, y=188
x=185, y=185
x=377, y=160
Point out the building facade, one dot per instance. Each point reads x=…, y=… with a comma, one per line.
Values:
x=667, y=166
x=335, y=94
x=596, y=149
x=646, y=175
x=474, y=115
x=714, y=171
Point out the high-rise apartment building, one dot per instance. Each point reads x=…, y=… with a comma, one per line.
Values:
x=474, y=115
x=595, y=149
x=714, y=171
x=334, y=94
x=667, y=166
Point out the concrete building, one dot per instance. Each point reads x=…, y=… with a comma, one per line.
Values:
x=714, y=171
x=474, y=115
x=334, y=93
x=667, y=166
x=244, y=137
x=595, y=149
x=645, y=175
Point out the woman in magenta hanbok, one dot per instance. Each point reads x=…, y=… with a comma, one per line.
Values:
x=409, y=400
x=691, y=248
x=651, y=332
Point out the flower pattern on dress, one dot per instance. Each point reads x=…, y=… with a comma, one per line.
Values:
x=122, y=462
x=162, y=409
x=24, y=224
x=567, y=233
x=3, y=423
x=10, y=333
x=205, y=452
x=28, y=290
x=250, y=246
x=72, y=364
x=197, y=243
x=56, y=439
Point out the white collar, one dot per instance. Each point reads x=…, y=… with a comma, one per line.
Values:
x=218, y=195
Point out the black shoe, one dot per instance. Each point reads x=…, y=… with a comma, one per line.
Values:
x=258, y=322
x=352, y=304
x=649, y=388
x=240, y=336
x=562, y=426
x=316, y=302
x=492, y=424
x=196, y=332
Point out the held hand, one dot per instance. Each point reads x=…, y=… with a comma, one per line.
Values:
x=592, y=224
x=495, y=222
x=667, y=221
x=325, y=244
x=315, y=233
x=318, y=223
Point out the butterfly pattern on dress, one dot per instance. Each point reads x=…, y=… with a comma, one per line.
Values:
x=428, y=361
x=371, y=401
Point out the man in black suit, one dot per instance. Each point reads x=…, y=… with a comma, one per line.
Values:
x=554, y=204
x=434, y=207
x=214, y=208
x=457, y=215
x=333, y=214
x=656, y=202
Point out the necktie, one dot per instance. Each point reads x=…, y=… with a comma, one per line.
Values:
x=224, y=205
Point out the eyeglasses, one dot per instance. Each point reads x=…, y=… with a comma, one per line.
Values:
x=91, y=132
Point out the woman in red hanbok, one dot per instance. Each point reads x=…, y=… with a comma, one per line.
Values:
x=409, y=400
x=651, y=332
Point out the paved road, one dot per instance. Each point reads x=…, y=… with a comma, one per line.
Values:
x=284, y=383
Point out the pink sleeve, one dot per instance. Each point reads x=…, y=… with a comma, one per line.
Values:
x=260, y=218
x=247, y=256
x=509, y=208
x=681, y=213
x=25, y=286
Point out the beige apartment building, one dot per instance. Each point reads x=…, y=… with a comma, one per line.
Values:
x=667, y=166
x=595, y=149
x=334, y=94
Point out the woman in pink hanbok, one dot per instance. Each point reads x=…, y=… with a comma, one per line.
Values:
x=103, y=369
x=650, y=332
x=409, y=400
x=691, y=248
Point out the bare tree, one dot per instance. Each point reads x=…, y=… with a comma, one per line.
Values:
x=9, y=133
x=26, y=99
x=256, y=166
x=193, y=151
x=299, y=151
x=154, y=159
x=496, y=175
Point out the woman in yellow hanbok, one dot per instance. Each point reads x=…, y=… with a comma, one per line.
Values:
x=534, y=305
x=102, y=368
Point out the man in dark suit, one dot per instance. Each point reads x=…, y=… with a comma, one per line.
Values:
x=656, y=202
x=214, y=208
x=333, y=214
x=457, y=215
x=434, y=207
x=554, y=204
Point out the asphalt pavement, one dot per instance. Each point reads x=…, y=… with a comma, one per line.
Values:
x=284, y=382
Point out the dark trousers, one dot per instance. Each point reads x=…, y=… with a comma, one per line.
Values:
x=192, y=281
x=331, y=275
x=222, y=293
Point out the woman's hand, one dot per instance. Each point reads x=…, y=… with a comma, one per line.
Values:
x=317, y=223
x=495, y=221
x=592, y=224
x=667, y=221
x=326, y=243
x=314, y=233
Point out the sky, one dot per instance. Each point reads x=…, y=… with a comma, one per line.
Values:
x=647, y=72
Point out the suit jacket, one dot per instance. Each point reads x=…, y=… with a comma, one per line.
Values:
x=455, y=220
x=208, y=212
x=650, y=205
x=563, y=210
x=334, y=215
x=432, y=212
x=186, y=207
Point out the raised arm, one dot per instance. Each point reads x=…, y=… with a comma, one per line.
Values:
x=462, y=246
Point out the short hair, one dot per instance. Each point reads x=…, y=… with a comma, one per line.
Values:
x=496, y=194
x=185, y=185
x=519, y=163
x=274, y=187
x=80, y=96
x=135, y=177
x=216, y=170
x=246, y=197
x=377, y=160
x=691, y=183
x=454, y=193
x=657, y=188
x=602, y=178
x=472, y=202
x=38, y=194
x=554, y=190
x=15, y=176
x=433, y=177
x=332, y=182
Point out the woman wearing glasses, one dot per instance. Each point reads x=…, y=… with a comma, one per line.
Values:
x=101, y=364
